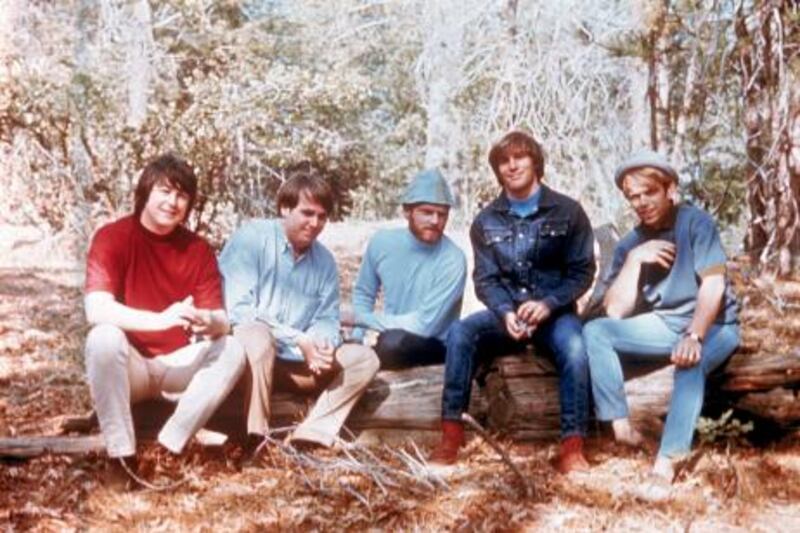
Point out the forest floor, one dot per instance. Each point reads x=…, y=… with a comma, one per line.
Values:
x=733, y=485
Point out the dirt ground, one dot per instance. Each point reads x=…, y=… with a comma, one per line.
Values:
x=731, y=485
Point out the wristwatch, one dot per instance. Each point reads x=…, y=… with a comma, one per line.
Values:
x=694, y=336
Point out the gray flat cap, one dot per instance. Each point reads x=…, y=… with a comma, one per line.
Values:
x=644, y=158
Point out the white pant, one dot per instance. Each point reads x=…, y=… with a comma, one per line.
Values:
x=203, y=372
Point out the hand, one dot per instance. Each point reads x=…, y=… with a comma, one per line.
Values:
x=533, y=313
x=656, y=251
x=180, y=314
x=347, y=316
x=687, y=352
x=516, y=328
x=204, y=322
x=317, y=354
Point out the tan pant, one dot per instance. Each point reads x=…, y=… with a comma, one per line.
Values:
x=340, y=387
x=203, y=373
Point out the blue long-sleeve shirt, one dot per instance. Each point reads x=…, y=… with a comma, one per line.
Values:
x=422, y=284
x=263, y=281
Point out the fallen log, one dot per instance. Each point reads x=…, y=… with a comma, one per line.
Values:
x=518, y=395
x=24, y=447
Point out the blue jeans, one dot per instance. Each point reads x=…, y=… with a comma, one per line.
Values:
x=483, y=335
x=647, y=336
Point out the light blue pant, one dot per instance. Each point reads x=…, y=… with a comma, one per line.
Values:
x=644, y=336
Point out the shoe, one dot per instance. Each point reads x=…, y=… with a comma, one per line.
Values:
x=654, y=488
x=446, y=452
x=570, y=456
x=251, y=448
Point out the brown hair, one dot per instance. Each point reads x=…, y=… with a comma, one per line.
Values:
x=307, y=181
x=517, y=142
x=170, y=168
x=653, y=173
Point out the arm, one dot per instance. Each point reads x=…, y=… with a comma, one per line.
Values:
x=709, y=266
x=487, y=276
x=365, y=292
x=212, y=323
x=324, y=326
x=621, y=297
x=102, y=308
x=240, y=266
x=210, y=318
x=579, y=267
x=709, y=299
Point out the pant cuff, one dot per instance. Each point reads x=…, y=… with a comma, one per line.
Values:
x=313, y=435
x=613, y=414
x=172, y=438
x=120, y=451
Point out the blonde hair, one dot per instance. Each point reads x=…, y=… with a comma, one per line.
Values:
x=652, y=173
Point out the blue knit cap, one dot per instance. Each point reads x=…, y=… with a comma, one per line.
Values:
x=641, y=159
x=428, y=187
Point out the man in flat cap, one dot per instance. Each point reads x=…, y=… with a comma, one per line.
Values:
x=668, y=300
x=421, y=274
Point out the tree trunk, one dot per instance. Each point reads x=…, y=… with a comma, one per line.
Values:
x=139, y=43
x=770, y=81
x=438, y=78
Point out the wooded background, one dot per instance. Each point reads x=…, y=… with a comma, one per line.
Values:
x=371, y=91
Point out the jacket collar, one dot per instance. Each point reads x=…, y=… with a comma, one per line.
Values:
x=547, y=200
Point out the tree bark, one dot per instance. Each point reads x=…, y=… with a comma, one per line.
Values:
x=768, y=55
x=139, y=42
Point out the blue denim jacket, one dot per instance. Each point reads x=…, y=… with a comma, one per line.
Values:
x=548, y=255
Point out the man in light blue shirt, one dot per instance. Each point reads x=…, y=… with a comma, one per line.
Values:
x=421, y=273
x=282, y=294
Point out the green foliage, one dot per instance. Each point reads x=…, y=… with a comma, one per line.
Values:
x=723, y=429
x=232, y=97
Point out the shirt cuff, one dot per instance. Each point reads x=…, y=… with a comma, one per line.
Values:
x=713, y=270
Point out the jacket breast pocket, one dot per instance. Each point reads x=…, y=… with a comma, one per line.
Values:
x=553, y=240
x=500, y=241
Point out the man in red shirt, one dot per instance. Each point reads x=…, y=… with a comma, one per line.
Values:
x=151, y=287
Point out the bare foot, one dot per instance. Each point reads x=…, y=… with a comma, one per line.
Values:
x=624, y=433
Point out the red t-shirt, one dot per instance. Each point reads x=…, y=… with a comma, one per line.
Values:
x=151, y=272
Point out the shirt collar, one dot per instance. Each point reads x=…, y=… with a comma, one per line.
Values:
x=286, y=247
x=546, y=200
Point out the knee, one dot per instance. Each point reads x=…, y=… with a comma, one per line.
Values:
x=461, y=331
x=256, y=342
x=234, y=354
x=594, y=330
x=389, y=341
x=105, y=345
x=352, y=356
x=574, y=350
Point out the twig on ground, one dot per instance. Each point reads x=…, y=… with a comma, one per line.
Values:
x=529, y=489
x=321, y=475
x=147, y=484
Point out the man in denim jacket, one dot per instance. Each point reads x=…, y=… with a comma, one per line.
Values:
x=533, y=258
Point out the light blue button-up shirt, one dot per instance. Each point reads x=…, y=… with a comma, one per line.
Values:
x=263, y=281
